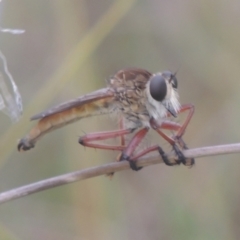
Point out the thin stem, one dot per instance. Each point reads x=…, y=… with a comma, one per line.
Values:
x=109, y=168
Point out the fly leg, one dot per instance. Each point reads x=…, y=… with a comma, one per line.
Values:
x=88, y=139
x=127, y=151
x=176, y=139
x=122, y=143
x=181, y=131
x=130, y=148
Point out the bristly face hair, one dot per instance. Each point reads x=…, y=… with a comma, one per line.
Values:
x=162, y=95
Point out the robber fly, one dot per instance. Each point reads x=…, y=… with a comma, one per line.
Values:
x=143, y=101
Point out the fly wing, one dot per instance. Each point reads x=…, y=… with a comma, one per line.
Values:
x=75, y=103
x=98, y=102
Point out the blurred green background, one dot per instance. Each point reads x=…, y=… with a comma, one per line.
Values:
x=69, y=49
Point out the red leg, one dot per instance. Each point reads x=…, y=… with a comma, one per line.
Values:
x=165, y=125
x=161, y=152
x=134, y=142
x=131, y=147
x=169, y=125
x=89, y=138
x=127, y=153
x=122, y=143
x=122, y=139
x=185, y=107
x=181, y=131
x=174, y=126
x=144, y=152
x=176, y=139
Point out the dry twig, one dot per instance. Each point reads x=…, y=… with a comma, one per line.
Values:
x=108, y=168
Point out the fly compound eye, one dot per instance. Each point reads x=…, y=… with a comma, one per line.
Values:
x=158, y=87
x=171, y=78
